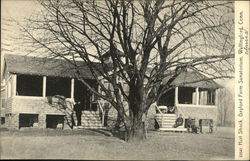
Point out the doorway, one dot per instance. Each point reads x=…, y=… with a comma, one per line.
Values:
x=85, y=98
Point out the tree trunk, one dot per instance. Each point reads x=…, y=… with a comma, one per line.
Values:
x=135, y=131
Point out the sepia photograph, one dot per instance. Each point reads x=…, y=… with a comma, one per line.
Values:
x=124, y=79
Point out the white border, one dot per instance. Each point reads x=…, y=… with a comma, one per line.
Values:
x=242, y=80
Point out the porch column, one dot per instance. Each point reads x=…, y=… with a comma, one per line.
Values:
x=8, y=89
x=176, y=102
x=215, y=97
x=13, y=84
x=44, y=86
x=197, y=100
x=72, y=88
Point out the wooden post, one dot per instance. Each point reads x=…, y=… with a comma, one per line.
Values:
x=44, y=86
x=13, y=84
x=176, y=96
x=197, y=96
x=72, y=88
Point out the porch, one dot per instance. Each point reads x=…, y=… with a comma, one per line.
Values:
x=195, y=103
x=29, y=94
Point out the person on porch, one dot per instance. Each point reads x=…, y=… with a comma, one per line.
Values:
x=189, y=124
x=179, y=121
x=195, y=126
x=211, y=125
x=78, y=110
x=200, y=125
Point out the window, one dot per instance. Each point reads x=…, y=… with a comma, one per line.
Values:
x=54, y=121
x=28, y=120
x=207, y=96
x=185, y=95
x=167, y=99
x=29, y=85
x=58, y=86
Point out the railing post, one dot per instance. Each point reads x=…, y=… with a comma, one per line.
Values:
x=102, y=110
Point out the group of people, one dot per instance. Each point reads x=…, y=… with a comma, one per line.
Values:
x=193, y=125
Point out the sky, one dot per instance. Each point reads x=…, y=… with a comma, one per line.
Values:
x=20, y=9
x=16, y=10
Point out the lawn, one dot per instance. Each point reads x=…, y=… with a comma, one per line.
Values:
x=92, y=144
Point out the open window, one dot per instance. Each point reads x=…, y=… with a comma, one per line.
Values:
x=206, y=96
x=167, y=99
x=58, y=86
x=186, y=95
x=29, y=85
x=28, y=120
x=54, y=121
x=88, y=101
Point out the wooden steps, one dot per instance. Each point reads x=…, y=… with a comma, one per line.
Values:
x=167, y=122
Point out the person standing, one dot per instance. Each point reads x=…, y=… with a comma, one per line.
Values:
x=200, y=125
x=179, y=121
x=78, y=110
x=189, y=124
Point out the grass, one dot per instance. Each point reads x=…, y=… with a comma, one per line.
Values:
x=100, y=144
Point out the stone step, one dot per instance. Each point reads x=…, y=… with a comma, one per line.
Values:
x=90, y=116
x=167, y=123
x=88, y=127
x=91, y=119
x=166, y=115
x=165, y=120
x=88, y=121
x=85, y=126
x=163, y=117
x=167, y=126
x=181, y=129
x=90, y=112
x=91, y=125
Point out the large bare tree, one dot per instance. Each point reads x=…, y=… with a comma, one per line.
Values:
x=143, y=39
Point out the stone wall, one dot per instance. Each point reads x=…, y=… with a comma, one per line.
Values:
x=29, y=105
x=8, y=107
x=12, y=120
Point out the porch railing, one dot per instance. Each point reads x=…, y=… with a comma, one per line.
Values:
x=179, y=111
x=159, y=123
x=158, y=109
x=102, y=111
x=161, y=115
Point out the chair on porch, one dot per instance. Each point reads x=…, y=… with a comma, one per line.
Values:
x=162, y=109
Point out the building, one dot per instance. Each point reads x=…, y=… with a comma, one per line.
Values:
x=194, y=97
x=32, y=82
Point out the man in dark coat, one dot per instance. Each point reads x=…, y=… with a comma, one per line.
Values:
x=78, y=110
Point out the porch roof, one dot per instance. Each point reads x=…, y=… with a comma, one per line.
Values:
x=192, y=79
x=31, y=65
